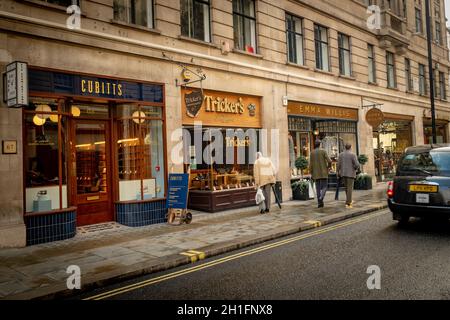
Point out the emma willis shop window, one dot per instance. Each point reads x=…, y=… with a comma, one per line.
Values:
x=220, y=178
x=333, y=126
x=94, y=152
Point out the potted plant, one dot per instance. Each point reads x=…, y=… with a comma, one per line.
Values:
x=301, y=163
x=300, y=190
x=363, y=181
x=362, y=159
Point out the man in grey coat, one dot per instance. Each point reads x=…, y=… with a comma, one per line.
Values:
x=319, y=163
x=347, y=166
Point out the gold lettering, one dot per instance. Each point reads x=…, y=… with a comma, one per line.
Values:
x=103, y=88
x=97, y=87
x=119, y=89
x=107, y=86
x=208, y=103
x=83, y=85
x=114, y=89
x=90, y=86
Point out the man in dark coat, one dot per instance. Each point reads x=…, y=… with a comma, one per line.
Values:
x=319, y=163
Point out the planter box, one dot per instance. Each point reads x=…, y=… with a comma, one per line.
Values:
x=298, y=195
x=364, y=184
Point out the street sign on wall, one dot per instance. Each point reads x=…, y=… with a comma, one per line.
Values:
x=16, y=84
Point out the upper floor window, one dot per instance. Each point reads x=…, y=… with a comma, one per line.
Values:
x=442, y=87
x=294, y=33
x=372, y=68
x=437, y=33
x=244, y=21
x=408, y=75
x=321, y=44
x=195, y=19
x=345, y=65
x=138, y=12
x=419, y=24
x=390, y=65
x=422, y=80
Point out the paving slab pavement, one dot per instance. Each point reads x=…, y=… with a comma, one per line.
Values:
x=121, y=252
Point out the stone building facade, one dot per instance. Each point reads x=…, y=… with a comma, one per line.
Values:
x=337, y=59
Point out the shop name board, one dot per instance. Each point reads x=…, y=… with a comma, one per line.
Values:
x=223, y=105
x=322, y=111
x=101, y=87
x=236, y=142
x=220, y=109
x=62, y=83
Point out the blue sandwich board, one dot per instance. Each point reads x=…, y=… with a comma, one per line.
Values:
x=178, y=190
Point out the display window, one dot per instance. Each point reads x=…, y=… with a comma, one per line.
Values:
x=45, y=158
x=441, y=131
x=140, y=152
x=389, y=143
x=229, y=166
x=333, y=134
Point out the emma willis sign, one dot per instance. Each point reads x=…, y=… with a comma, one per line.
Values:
x=321, y=111
x=221, y=109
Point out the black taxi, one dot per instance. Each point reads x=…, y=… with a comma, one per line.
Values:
x=421, y=186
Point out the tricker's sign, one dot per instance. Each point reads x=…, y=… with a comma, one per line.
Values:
x=221, y=109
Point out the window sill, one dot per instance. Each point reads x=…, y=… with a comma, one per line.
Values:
x=300, y=66
x=135, y=26
x=255, y=55
x=200, y=42
x=393, y=88
x=373, y=84
x=324, y=72
x=347, y=77
x=55, y=7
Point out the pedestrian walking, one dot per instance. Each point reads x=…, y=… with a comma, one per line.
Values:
x=347, y=166
x=319, y=163
x=265, y=176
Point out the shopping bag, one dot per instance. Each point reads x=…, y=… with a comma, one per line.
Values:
x=312, y=189
x=259, y=196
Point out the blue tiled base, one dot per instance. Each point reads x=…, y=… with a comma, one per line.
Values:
x=141, y=213
x=51, y=227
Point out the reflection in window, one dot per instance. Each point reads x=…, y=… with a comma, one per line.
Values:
x=195, y=19
x=244, y=21
x=43, y=150
x=139, y=12
x=140, y=153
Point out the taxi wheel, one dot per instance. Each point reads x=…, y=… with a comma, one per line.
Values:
x=403, y=220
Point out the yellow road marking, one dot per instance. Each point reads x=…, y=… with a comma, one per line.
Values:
x=210, y=264
x=316, y=223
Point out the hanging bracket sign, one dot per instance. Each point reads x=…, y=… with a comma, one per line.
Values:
x=375, y=117
x=16, y=84
x=193, y=101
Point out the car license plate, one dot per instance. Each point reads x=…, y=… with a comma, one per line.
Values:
x=422, y=198
x=423, y=188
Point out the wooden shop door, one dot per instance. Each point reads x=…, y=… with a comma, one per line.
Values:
x=91, y=162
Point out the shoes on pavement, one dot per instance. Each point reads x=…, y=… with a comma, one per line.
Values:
x=267, y=210
x=349, y=206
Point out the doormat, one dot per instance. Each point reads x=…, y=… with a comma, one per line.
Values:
x=107, y=226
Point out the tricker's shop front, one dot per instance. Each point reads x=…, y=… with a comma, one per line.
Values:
x=93, y=152
x=221, y=136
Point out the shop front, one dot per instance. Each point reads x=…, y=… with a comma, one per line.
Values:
x=221, y=138
x=333, y=126
x=390, y=140
x=441, y=131
x=94, y=152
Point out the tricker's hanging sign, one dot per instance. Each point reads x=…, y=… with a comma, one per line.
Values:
x=215, y=108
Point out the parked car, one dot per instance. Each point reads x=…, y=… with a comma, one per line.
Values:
x=421, y=186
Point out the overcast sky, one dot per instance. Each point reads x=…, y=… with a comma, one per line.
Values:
x=447, y=11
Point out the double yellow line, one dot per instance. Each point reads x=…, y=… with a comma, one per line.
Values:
x=210, y=264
